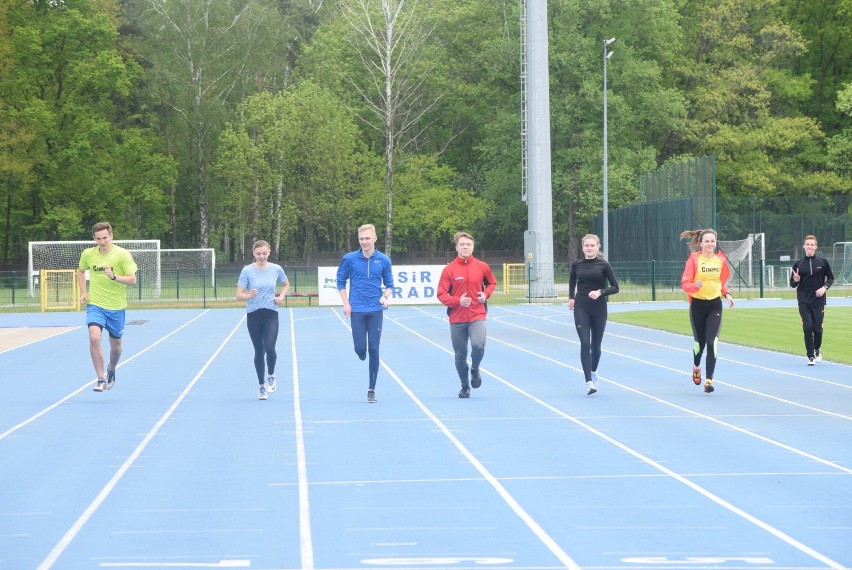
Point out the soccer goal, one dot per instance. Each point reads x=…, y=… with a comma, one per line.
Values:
x=746, y=258
x=841, y=262
x=176, y=272
x=59, y=290
x=163, y=274
x=56, y=255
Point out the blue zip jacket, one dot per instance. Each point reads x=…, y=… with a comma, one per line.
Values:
x=368, y=278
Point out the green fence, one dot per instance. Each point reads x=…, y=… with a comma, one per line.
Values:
x=640, y=281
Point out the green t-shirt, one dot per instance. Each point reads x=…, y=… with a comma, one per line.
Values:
x=103, y=291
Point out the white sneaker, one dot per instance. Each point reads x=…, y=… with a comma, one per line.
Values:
x=270, y=384
x=810, y=361
x=595, y=380
x=590, y=388
x=261, y=393
x=817, y=356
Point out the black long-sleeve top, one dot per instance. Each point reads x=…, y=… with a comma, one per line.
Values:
x=589, y=275
x=814, y=272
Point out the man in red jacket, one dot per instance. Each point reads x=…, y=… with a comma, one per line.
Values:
x=466, y=284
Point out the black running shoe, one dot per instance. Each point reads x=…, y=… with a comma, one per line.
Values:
x=371, y=396
x=475, y=378
x=110, y=379
x=465, y=392
x=708, y=386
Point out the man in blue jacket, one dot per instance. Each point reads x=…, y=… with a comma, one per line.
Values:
x=370, y=278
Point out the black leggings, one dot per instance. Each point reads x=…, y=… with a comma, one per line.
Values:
x=590, y=320
x=263, y=330
x=706, y=319
x=812, y=318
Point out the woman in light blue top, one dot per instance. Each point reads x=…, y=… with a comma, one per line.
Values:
x=257, y=286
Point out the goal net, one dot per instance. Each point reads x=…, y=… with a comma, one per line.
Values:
x=841, y=262
x=177, y=273
x=51, y=255
x=746, y=258
x=162, y=274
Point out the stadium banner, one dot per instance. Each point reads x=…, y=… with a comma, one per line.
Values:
x=413, y=285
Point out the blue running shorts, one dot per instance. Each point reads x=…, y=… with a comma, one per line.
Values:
x=112, y=321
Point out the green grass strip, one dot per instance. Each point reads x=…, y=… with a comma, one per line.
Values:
x=778, y=329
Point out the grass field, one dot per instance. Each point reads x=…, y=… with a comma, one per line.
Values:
x=777, y=329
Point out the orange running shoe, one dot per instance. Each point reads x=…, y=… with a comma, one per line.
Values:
x=696, y=375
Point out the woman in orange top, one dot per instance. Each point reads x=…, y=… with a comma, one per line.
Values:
x=705, y=280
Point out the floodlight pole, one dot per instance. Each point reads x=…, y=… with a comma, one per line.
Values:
x=605, y=238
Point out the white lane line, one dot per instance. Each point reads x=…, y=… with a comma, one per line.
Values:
x=680, y=371
x=78, y=525
x=513, y=504
x=220, y=564
x=507, y=497
x=778, y=371
x=306, y=547
x=687, y=411
x=17, y=346
x=658, y=466
x=53, y=406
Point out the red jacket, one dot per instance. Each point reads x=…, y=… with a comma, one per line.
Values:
x=687, y=280
x=462, y=276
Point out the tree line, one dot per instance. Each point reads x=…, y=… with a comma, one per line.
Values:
x=210, y=123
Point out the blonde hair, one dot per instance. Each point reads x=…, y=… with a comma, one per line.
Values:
x=260, y=243
x=695, y=237
x=809, y=236
x=460, y=235
x=367, y=227
x=596, y=238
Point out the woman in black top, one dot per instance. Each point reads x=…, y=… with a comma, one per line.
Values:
x=587, y=297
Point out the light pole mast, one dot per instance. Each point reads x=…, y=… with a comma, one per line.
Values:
x=538, y=240
x=605, y=238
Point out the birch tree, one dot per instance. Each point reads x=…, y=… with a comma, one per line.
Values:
x=203, y=52
x=388, y=37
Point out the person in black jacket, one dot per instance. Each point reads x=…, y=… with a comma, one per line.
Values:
x=587, y=297
x=811, y=277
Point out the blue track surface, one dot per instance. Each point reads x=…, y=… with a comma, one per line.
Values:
x=181, y=466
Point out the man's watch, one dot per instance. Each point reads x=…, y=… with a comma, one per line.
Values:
x=113, y=277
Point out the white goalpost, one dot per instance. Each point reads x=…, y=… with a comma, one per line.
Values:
x=54, y=255
x=746, y=257
x=169, y=266
x=162, y=274
x=841, y=262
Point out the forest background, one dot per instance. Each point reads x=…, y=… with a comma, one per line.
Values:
x=209, y=123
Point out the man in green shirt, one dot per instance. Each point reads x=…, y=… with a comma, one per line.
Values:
x=111, y=269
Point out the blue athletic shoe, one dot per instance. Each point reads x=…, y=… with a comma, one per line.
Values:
x=261, y=393
x=270, y=383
